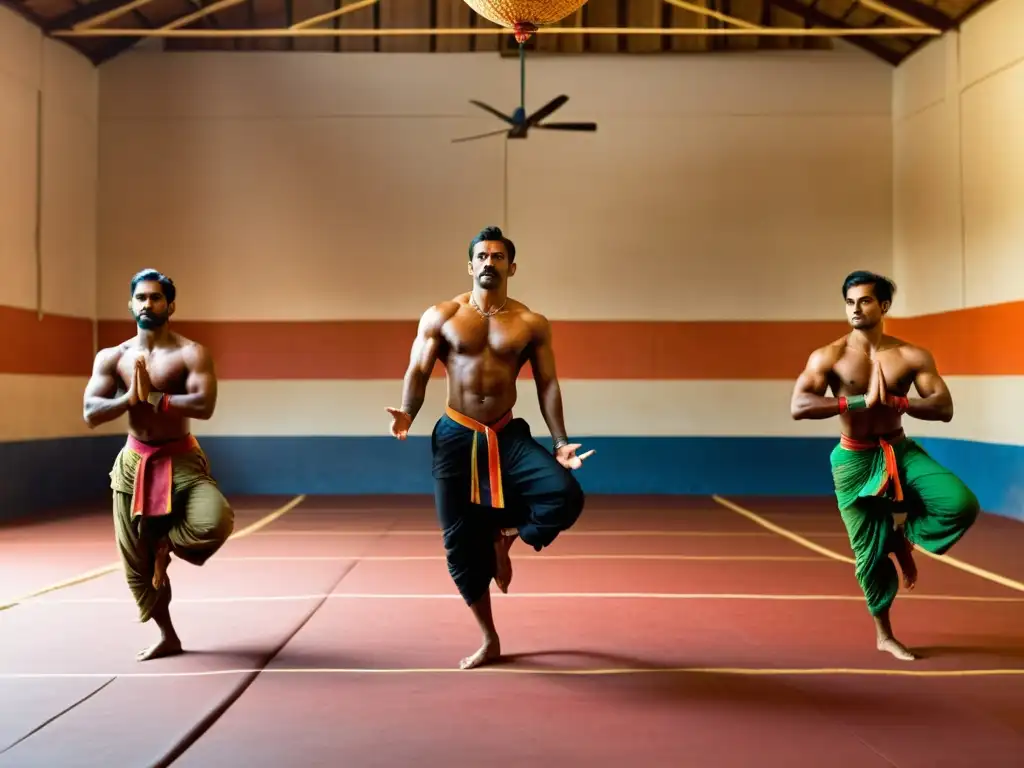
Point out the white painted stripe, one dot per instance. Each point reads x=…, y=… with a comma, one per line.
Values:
x=44, y=407
x=51, y=406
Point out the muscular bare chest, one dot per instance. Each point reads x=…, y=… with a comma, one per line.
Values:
x=852, y=374
x=166, y=368
x=470, y=334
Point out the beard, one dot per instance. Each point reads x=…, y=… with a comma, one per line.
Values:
x=488, y=280
x=150, y=322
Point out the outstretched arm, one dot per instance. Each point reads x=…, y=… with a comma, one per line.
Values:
x=422, y=357
x=936, y=402
x=200, y=399
x=809, y=401
x=103, y=402
x=549, y=393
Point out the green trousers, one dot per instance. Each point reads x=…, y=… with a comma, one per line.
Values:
x=940, y=509
x=201, y=520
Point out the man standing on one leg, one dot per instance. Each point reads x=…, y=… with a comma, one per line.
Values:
x=493, y=482
x=164, y=497
x=875, y=465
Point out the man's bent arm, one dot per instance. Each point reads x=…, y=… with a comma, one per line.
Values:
x=936, y=402
x=200, y=398
x=809, y=401
x=421, y=362
x=549, y=393
x=102, y=403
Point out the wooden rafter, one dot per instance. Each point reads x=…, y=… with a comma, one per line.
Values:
x=910, y=22
x=924, y=14
x=812, y=15
x=184, y=21
x=822, y=31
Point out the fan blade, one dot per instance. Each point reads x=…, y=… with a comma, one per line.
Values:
x=546, y=110
x=568, y=126
x=492, y=110
x=479, y=136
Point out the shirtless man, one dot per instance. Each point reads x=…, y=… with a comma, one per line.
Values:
x=875, y=466
x=493, y=482
x=164, y=497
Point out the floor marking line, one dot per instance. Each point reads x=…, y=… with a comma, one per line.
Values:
x=508, y=670
x=103, y=570
x=570, y=533
x=525, y=596
x=947, y=559
x=785, y=533
x=973, y=569
x=533, y=558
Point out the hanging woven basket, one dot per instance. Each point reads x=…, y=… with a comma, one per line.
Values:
x=525, y=16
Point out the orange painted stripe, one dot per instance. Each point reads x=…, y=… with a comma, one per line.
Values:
x=584, y=350
x=973, y=342
x=979, y=341
x=56, y=345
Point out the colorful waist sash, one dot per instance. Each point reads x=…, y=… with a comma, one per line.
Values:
x=493, y=456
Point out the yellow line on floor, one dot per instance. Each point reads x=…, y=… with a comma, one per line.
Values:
x=947, y=559
x=522, y=596
x=537, y=558
x=625, y=533
x=512, y=670
x=103, y=570
x=785, y=533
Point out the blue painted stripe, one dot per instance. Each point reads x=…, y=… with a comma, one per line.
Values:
x=38, y=475
x=995, y=472
x=622, y=465
x=52, y=473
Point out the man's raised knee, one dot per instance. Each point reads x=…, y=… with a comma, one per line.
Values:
x=967, y=506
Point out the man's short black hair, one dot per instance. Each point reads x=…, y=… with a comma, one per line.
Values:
x=489, y=234
x=884, y=288
x=148, y=275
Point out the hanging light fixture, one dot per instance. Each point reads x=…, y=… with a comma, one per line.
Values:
x=524, y=17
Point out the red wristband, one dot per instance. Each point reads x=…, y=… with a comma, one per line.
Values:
x=899, y=403
x=843, y=405
x=165, y=404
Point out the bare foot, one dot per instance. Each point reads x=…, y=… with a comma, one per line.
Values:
x=166, y=646
x=503, y=573
x=161, y=561
x=489, y=651
x=904, y=556
x=896, y=648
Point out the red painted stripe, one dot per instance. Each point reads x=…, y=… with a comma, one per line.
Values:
x=980, y=341
x=584, y=350
x=52, y=346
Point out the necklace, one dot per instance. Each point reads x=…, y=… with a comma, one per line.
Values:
x=478, y=308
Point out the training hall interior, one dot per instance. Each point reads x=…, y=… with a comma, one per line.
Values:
x=687, y=185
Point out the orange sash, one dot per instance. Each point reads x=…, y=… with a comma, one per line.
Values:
x=154, y=477
x=493, y=457
x=892, y=471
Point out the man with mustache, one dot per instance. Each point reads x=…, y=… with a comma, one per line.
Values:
x=876, y=468
x=164, y=497
x=493, y=482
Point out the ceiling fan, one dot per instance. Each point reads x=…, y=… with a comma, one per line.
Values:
x=519, y=121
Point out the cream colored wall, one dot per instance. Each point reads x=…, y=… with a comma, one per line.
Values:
x=69, y=84
x=63, y=175
x=322, y=186
x=958, y=157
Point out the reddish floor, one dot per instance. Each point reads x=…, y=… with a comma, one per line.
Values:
x=658, y=632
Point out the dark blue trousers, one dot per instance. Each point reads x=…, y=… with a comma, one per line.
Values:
x=542, y=498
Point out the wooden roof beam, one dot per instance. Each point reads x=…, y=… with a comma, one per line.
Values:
x=911, y=11
x=93, y=14
x=817, y=18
